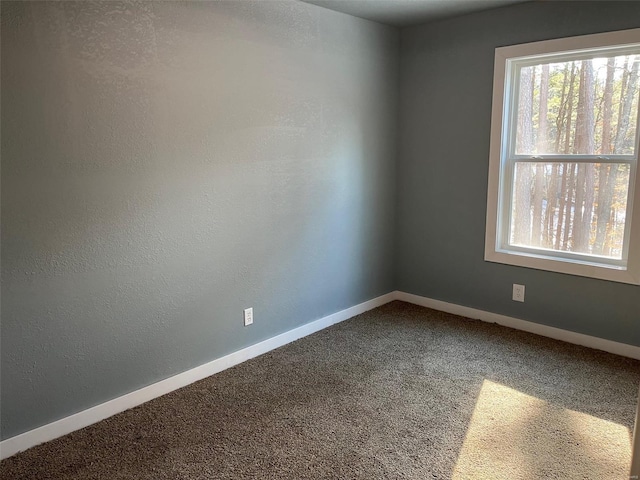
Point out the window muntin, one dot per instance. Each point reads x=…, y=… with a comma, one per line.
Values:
x=564, y=162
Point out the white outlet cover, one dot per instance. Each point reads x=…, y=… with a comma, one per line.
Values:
x=518, y=292
x=248, y=316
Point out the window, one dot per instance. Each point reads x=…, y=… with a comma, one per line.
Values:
x=564, y=157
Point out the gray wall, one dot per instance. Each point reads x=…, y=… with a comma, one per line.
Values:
x=446, y=89
x=165, y=165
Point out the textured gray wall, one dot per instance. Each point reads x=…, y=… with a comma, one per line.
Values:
x=166, y=165
x=446, y=89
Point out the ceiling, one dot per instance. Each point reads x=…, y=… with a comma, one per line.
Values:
x=401, y=13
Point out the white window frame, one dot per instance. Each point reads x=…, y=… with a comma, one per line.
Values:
x=501, y=166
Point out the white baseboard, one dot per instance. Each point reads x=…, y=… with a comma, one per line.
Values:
x=622, y=349
x=92, y=415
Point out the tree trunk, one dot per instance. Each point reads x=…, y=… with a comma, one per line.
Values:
x=552, y=201
x=522, y=218
x=584, y=144
x=603, y=211
x=560, y=120
x=564, y=211
x=569, y=110
x=541, y=147
x=607, y=115
x=569, y=207
x=625, y=114
x=568, y=172
x=563, y=203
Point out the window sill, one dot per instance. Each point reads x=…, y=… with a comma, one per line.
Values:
x=569, y=267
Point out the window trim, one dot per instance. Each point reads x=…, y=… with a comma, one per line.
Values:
x=499, y=177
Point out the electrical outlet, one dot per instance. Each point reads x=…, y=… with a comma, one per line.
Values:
x=518, y=292
x=248, y=316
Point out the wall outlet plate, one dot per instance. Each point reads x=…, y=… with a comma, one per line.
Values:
x=248, y=316
x=518, y=292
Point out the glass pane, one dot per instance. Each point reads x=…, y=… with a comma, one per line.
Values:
x=573, y=207
x=578, y=107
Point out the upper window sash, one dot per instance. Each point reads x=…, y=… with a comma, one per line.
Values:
x=511, y=90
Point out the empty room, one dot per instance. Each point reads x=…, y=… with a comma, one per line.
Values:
x=320, y=239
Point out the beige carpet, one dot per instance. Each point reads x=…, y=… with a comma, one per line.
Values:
x=401, y=392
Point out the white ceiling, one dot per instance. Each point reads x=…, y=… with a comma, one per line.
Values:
x=401, y=13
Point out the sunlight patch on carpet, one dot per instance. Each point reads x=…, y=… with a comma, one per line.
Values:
x=516, y=436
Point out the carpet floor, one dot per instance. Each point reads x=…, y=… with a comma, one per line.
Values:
x=400, y=392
